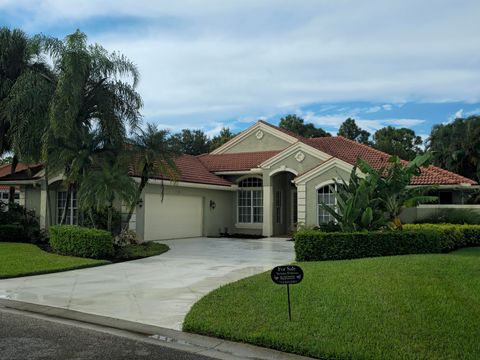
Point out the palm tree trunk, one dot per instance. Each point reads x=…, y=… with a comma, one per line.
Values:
x=67, y=203
x=133, y=205
x=90, y=215
x=11, y=190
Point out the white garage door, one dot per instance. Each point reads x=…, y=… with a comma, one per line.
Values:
x=175, y=217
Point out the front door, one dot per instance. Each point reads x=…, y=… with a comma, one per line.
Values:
x=294, y=211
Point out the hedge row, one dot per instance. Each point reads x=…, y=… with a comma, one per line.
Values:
x=79, y=241
x=12, y=233
x=313, y=245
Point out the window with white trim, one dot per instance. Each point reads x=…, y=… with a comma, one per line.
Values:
x=325, y=195
x=4, y=195
x=72, y=211
x=250, y=201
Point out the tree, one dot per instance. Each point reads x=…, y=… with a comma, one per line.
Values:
x=402, y=142
x=296, y=125
x=392, y=189
x=220, y=139
x=192, y=142
x=350, y=130
x=26, y=86
x=456, y=146
x=154, y=156
x=92, y=93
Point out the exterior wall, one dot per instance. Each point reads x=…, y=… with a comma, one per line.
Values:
x=32, y=198
x=214, y=220
x=290, y=162
x=426, y=211
x=308, y=194
x=252, y=143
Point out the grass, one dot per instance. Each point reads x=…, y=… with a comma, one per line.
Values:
x=139, y=251
x=399, y=307
x=18, y=259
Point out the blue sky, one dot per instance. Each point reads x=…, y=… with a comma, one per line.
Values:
x=208, y=64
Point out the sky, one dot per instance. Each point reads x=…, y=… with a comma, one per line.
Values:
x=212, y=64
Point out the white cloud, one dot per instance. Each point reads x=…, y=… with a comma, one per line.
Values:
x=203, y=62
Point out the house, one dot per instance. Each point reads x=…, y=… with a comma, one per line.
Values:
x=264, y=181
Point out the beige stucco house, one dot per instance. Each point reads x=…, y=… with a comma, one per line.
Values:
x=264, y=181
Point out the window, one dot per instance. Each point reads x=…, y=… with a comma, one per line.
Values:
x=250, y=201
x=325, y=195
x=4, y=195
x=72, y=211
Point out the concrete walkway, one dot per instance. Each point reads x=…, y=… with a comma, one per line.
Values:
x=158, y=290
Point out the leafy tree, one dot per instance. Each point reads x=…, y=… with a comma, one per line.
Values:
x=154, y=156
x=350, y=130
x=220, y=139
x=456, y=146
x=26, y=85
x=402, y=142
x=193, y=142
x=93, y=92
x=296, y=125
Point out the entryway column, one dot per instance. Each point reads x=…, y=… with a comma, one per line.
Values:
x=267, y=209
x=301, y=204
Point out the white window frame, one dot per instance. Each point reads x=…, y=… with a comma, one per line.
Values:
x=252, y=193
x=4, y=197
x=71, y=219
x=321, y=186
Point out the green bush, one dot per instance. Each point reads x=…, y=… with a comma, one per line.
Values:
x=20, y=216
x=12, y=233
x=83, y=242
x=312, y=245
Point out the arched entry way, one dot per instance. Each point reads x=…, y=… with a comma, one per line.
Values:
x=284, y=196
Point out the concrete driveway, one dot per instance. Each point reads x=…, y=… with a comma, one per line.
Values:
x=158, y=290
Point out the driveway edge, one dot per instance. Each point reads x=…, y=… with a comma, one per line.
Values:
x=198, y=344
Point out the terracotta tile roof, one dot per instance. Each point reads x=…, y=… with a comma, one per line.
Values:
x=22, y=172
x=192, y=170
x=235, y=161
x=349, y=151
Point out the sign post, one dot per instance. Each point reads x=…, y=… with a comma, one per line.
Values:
x=287, y=275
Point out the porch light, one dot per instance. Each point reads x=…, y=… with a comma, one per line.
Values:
x=212, y=204
x=140, y=202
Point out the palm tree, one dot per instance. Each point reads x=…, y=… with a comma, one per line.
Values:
x=26, y=86
x=93, y=94
x=154, y=156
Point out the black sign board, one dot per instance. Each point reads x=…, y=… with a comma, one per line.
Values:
x=287, y=275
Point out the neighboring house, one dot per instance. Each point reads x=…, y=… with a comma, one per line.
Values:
x=264, y=181
x=5, y=189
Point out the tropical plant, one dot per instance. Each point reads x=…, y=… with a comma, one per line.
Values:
x=91, y=108
x=154, y=156
x=392, y=185
x=26, y=86
x=357, y=203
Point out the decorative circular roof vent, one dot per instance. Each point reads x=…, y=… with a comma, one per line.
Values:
x=259, y=134
x=300, y=156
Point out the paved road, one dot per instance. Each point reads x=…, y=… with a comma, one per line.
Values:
x=159, y=290
x=30, y=337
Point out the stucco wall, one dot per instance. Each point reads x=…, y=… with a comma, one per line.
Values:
x=252, y=143
x=32, y=198
x=290, y=162
x=311, y=192
x=214, y=220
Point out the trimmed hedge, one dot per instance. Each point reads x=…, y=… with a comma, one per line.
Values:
x=12, y=233
x=83, y=242
x=314, y=245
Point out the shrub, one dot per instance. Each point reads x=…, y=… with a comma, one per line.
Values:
x=79, y=241
x=126, y=237
x=311, y=245
x=100, y=219
x=20, y=216
x=12, y=233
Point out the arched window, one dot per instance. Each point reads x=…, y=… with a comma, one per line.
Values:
x=325, y=195
x=250, y=201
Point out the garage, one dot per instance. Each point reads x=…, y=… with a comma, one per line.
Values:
x=175, y=217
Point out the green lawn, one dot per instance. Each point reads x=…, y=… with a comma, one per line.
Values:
x=138, y=251
x=26, y=259
x=399, y=307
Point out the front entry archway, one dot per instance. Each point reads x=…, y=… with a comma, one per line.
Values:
x=284, y=204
